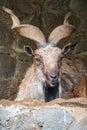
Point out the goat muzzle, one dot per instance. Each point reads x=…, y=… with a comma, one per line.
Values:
x=52, y=78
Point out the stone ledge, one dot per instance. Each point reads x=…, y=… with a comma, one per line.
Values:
x=31, y=114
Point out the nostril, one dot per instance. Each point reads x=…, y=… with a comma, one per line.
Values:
x=53, y=76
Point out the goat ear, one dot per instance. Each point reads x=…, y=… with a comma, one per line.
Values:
x=68, y=47
x=29, y=50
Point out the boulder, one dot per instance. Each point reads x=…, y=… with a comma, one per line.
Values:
x=30, y=114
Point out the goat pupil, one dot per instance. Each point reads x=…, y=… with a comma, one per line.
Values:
x=37, y=59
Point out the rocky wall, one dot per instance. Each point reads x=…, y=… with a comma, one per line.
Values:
x=33, y=115
x=45, y=14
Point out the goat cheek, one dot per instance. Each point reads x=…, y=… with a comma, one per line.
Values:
x=56, y=68
x=46, y=72
x=40, y=65
x=46, y=69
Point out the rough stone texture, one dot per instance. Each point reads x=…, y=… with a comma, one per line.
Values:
x=79, y=7
x=46, y=14
x=7, y=67
x=33, y=115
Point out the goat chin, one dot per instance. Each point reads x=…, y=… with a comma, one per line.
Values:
x=51, y=84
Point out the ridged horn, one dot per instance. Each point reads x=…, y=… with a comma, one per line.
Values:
x=27, y=30
x=61, y=31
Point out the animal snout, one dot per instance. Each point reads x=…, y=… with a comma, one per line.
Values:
x=53, y=75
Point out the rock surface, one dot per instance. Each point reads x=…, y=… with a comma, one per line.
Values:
x=29, y=114
x=45, y=14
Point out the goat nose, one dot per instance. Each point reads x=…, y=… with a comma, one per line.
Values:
x=53, y=74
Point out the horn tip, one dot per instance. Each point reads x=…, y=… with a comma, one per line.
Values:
x=7, y=10
x=4, y=8
x=66, y=18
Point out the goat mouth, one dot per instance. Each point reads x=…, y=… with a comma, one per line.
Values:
x=51, y=83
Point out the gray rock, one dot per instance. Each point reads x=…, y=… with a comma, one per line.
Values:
x=30, y=114
x=81, y=124
x=53, y=118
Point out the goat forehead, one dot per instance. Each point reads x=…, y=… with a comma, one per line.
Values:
x=49, y=52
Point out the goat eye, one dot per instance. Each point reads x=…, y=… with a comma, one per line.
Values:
x=39, y=62
x=37, y=59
